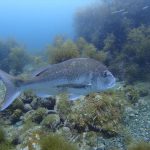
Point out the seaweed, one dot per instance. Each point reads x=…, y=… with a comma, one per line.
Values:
x=56, y=142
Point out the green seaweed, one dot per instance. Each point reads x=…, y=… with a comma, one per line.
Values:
x=62, y=52
x=102, y=111
x=139, y=146
x=4, y=143
x=56, y=142
x=38, y=115
x=2, y=135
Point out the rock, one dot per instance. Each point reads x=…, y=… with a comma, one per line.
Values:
x=39, y=114
x=27, y=100
x=34, y=103
x=48, y=103
x=143, y=92
x=27, y=107
x=26, y=148
x=28, y=115
x=101, y=147
x=98, y=97
x=16, y=116
x=51, y=121
x=65, y=132
x=17, y=104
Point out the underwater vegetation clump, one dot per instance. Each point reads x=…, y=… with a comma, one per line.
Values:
x=99, y=113
x=56, y=142
x=132, y=94
x=51, y=121
x=2, y=135
x=13, y=57
x=38, y=115
x=18, y=58
x=139, y=146
x=4, y=143
x=62, y=50
x=136, y=53
x=63, y=106
x=121, y=30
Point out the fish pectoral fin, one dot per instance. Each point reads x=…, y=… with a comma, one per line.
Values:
x=74, y=97
x=40, y=71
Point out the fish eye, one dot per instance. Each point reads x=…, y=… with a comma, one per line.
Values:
x=105, y=73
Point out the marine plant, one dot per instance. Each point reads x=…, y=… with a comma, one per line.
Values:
x=89, y=50
x=139, y=146
x=132, y=94
x=18, y=58
x=101, y=113
x=136, y=54
x=18, y=104
x=2, y=135
x=109, y=43
x=4, y=143
x=38, y=115
x=63, y=106
x=122, y=34
x=6, y=146
x=56, y=142
x=62, y=52
x=51, y=121
x=5, y=48
x=16, y=116
x=116, y=17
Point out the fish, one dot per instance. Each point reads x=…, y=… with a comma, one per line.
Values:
x=125, y=12
x=118, y=11
x=145, y=7
x=77, y=76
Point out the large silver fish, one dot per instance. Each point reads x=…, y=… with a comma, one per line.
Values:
x=79, y=76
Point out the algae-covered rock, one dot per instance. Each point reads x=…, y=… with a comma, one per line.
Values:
x=65, y=132
x=139, y=146
x=39, y=114
x=17, y=104
x=56, y=142
x=34, y=103
x=4, y=143
x=51, y=121
x=47, y=103
x=16, y=116
x=132, y=94
x=99, y=113
x=27, y=107
x=2, y=135
x=63, y=106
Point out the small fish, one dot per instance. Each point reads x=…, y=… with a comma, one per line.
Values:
x=78, y=76
x=118, y=11
x=125, y=12
x=145, y=7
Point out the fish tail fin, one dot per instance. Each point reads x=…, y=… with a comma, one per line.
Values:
x=12, y=91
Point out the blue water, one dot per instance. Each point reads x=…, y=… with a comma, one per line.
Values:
x=35, y=23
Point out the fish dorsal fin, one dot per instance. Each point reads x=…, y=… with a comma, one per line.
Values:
x=40, y=71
